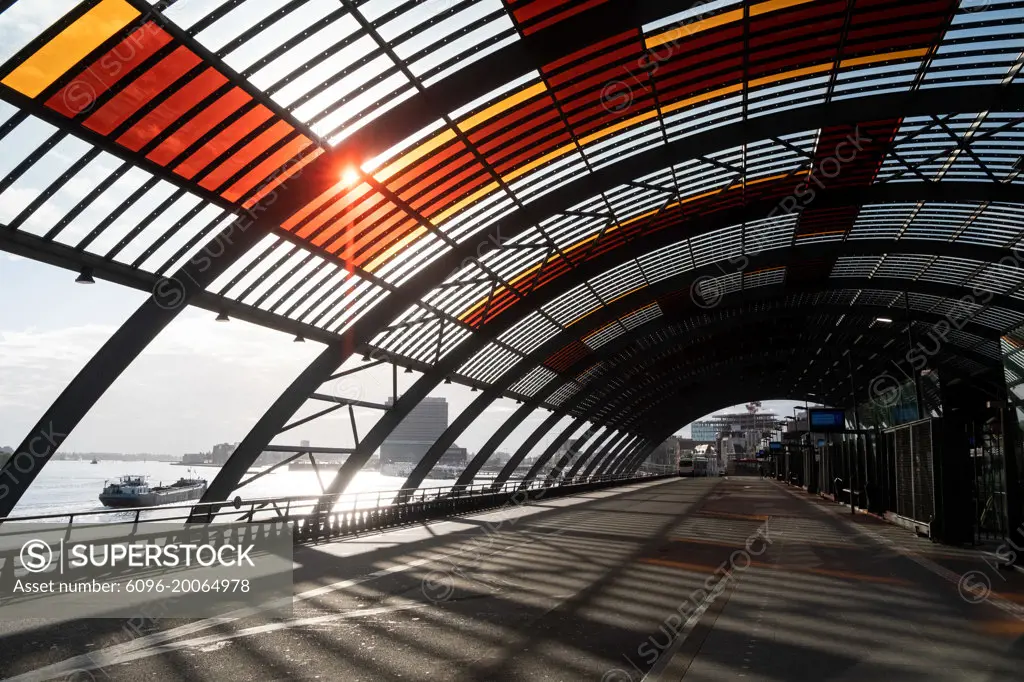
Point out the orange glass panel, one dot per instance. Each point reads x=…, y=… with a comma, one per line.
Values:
x=201, y=123
x=395, y=248
x=282, y=176
x=339, y=205
x=80, y=95
x=70, y=46
x=223, y=141
x=142, y=90
x=244, y=156
x=264, y=168
x=156, y=121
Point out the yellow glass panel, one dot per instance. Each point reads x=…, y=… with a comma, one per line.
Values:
x=504, y=105
x=415, y=155
x=795, y=73
x=395, y=248
x=70, y=46
x=872, y=59
x=685, y=30
x=458, y=206
x=551, y=156
x=682, y=104
x=674, y=34
x=774, y=6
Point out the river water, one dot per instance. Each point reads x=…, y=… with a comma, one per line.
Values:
x=71, y=486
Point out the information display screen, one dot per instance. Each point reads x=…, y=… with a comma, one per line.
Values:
x=827, y=420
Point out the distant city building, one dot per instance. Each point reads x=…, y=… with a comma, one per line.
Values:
x=454, y=457
x=500, y=458
x=667, y=453
x=221, y=452
x=195, y=458
x=737, y=435
x=304, y=443
x=705, y=431
x=271, y=458
x=414, y=435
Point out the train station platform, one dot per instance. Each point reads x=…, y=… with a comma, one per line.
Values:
x=679, y=579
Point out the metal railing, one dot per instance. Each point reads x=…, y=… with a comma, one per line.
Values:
x=350, y=511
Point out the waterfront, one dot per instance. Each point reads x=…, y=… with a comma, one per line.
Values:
x=70, y=486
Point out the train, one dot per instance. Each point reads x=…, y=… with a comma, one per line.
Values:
x=699, y=465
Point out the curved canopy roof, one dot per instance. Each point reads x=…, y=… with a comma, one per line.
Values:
x=547, y=200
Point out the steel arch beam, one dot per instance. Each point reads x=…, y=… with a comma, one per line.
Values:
x=951, y=100
x=311, y=379
x=658, y=387
x=110, y=361
x=698, y=333
x=629, y=465
x=668, y=389
x=948, y=100
x=549, y=452
x=640, y=333
x=530, y=52
x=615, y=435
x=626, y=341
x=94, y=379
x=527, y=445
x=445, y=441
x=627, y=445
x=602, y=434
x=624, y=442
x=293, y=398
x=495, y=441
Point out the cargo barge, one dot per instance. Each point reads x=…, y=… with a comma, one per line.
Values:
x=135, y=491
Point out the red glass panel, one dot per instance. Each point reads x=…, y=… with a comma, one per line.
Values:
x=246, y=155
x=223, y=141
x=142, y=90
x=199, y=125
x=158, y=120
x=282, y=176
x=264, y=168
x=80, y=95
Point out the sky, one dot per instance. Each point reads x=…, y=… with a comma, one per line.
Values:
x=201, y=382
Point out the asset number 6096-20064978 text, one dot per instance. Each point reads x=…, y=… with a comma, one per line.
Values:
x=184, y=585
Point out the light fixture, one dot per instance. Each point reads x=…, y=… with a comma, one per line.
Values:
x=299, y=339
x=472, y=390
x=85, y=276
x=223, y=317
x=408, y=371
x=447, y=380
x=366, y=357
x=883, y=320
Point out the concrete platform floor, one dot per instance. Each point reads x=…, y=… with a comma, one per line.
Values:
x=703, y=579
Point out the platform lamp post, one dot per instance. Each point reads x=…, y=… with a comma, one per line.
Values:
x=856, y=438
x=807, y=451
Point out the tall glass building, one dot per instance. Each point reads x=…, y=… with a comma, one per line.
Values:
x=414, y=435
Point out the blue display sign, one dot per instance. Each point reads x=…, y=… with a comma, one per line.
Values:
x=828, y=420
